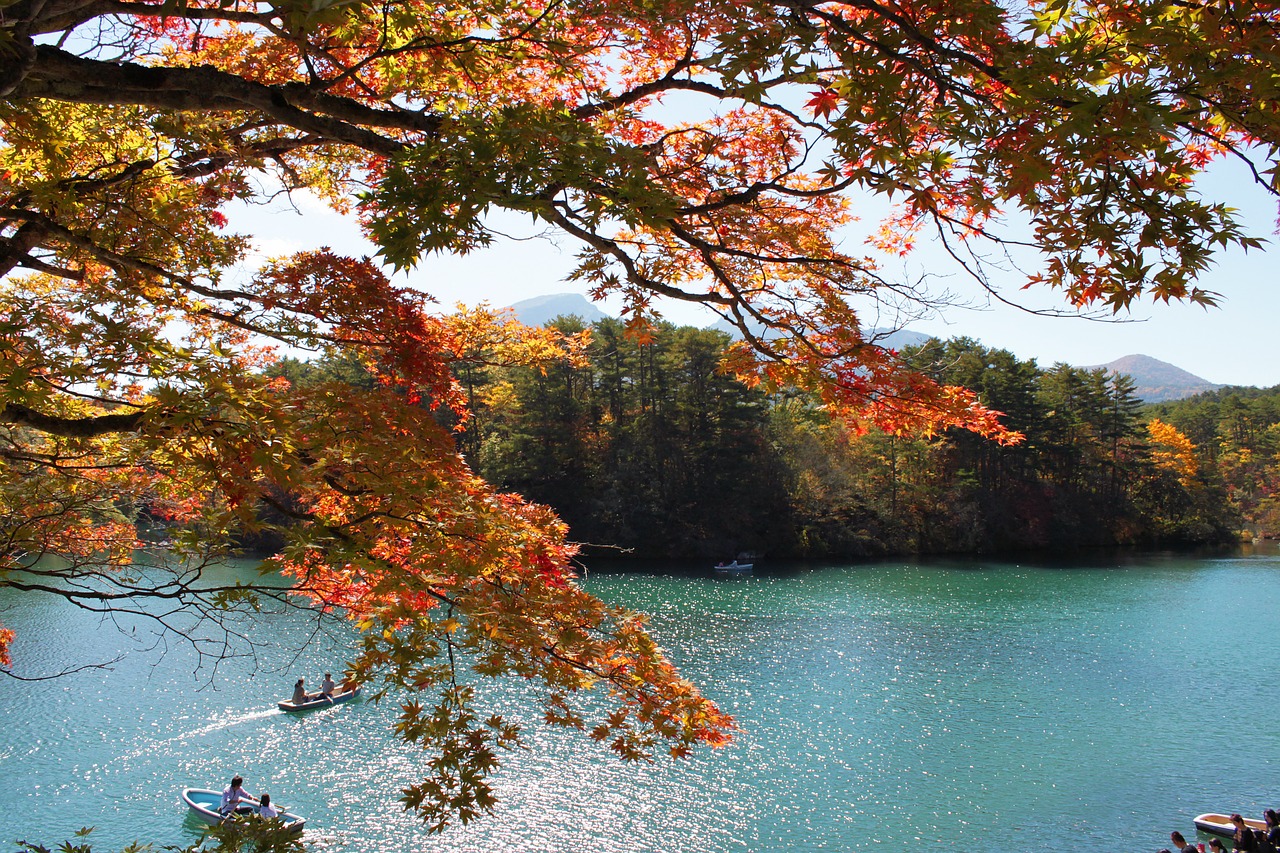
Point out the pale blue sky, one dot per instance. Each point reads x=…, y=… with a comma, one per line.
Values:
x=1234, y=343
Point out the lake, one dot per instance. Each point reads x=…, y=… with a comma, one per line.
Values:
x=966, y=705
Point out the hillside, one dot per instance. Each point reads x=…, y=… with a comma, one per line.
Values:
x=891, y=338
x=1158, y=381
x=543, y=309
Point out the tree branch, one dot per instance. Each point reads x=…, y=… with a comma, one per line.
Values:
x=14, y=413
x=59, y=75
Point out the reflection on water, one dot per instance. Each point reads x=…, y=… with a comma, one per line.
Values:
x=990, y=706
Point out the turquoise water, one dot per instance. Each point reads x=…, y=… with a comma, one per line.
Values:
x=984, y=706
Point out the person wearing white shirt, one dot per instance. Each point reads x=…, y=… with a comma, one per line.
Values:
x=265, y=809
x=234, y=795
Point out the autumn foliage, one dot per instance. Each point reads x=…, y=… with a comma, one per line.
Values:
x=713, y=154
x=1173, y=451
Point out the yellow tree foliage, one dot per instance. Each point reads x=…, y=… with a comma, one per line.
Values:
x=1173, y=451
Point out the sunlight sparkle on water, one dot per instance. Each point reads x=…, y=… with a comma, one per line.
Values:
x=895, y=707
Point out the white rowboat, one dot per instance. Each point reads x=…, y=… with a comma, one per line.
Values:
x=204, y=802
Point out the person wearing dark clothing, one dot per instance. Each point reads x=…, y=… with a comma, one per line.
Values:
x=1272, y=819
x=1242, y=841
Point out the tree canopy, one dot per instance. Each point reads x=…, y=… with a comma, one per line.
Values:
x=697, y=151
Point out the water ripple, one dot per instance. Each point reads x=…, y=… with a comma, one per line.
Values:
x=907, y=707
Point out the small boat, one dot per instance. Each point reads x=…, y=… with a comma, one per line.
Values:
x=204, y=802
x=320, y=701
x=734, y=568
x=1220, y=824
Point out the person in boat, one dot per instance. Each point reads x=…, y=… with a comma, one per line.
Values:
x=233, y=795
x=299, y=693
x=265, y=809
x=1242, y=841
x=327, y=686
x=1272, y=819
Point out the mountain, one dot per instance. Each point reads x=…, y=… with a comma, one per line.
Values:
x=539, y=310
x=892, y=339
x=543, y=309
x=899, y=338
x=1158, y=381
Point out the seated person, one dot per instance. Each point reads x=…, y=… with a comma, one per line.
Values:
x=234, y=795
x=327, y=686
x=265, y=809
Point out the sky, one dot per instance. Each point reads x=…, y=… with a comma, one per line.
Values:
x=1235, y=343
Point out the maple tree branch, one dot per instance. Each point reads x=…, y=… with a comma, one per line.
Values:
x=15, y=250
x=1259, y=177
x=667, y=83
x=50, y=228
x=759, y=188
x=611, y=248
x=209, y=605
x=909, y=29
x=59, y=75
x=942, y=80
x=383, y=53
x=102, y=8
x=200, y=164
x=19, y=415
x=72, y=670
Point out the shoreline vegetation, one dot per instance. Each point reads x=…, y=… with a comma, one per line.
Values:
x=648, y=451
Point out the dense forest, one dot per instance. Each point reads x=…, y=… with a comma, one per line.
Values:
x=649, y=449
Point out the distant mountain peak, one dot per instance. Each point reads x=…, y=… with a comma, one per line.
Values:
x=1155, y=381
x=889, y=338
x=540, y=310
x=1158, y=381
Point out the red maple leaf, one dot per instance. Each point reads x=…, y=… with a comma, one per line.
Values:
x=823, y=102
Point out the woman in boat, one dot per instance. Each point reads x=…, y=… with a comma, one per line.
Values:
x=265, y=809
x=299, y=693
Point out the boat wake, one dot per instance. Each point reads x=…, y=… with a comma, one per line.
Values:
x=239, y=718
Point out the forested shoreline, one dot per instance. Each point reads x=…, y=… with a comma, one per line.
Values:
x=649, y=450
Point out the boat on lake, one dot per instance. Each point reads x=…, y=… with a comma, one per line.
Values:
x=1220, y=824
x=320, y=701
x=204, y=802
x=734, y=568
